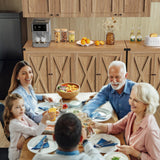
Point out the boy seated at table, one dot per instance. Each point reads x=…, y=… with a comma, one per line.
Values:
x=67, y=134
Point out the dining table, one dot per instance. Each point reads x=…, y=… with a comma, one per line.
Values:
x=26, y=154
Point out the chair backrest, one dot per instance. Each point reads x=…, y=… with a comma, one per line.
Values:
x=1, y=114
x=1, y=117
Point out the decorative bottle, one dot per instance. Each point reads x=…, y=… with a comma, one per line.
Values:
x=139, y=36
x=132, y=36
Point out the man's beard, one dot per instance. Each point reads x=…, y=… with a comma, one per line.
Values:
x=120, y=85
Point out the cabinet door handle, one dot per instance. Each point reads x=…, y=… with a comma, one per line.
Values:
x=153, y=74
x=120, y=14
x=50, y=74
x=51, y=14
x=115, y=14
x=57, y=14
x=98, y=74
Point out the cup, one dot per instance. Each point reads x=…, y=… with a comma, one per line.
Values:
x=52, y=113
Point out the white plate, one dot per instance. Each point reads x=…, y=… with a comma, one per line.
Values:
x=115, y=154
x=104, y=113
x=35, y=140
x=75, y=104
x=79, y=43
x=95, y=138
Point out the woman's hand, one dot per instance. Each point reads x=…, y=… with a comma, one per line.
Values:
x=102, y=127
x=128, y=150
x=20, y=142
x=49, y=99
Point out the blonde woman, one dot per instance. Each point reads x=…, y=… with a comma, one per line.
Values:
x=142, y=133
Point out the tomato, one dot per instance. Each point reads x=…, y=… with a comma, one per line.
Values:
x=65, y=106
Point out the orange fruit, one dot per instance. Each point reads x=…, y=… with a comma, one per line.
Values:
x=83, y=42
x=101, y=42
x=88, y=41
x=84, y=38
x=96, y=43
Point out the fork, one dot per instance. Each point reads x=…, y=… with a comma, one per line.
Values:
x=44, y=141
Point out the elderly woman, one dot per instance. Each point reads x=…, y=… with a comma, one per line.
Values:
x=142, y=133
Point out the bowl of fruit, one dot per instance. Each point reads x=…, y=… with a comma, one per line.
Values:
x=85, y=42
x=68, y=90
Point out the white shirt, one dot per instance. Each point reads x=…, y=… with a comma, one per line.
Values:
x=17, y=128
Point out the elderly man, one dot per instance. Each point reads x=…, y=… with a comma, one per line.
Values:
x=117, y=92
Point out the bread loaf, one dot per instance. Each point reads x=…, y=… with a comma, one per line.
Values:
x=153, y=35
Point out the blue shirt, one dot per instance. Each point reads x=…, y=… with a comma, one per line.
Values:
x=67, y=153
x=118, y=101
x=30, y=102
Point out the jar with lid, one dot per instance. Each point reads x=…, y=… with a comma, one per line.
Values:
x=71, y=36
x=64, y=35
x=57, y=35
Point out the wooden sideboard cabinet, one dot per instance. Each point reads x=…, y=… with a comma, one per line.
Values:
x=144, y=64
x=85, y=8
x=65, y=62
x=54, y=8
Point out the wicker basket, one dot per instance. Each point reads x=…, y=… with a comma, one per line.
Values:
x=68, y=95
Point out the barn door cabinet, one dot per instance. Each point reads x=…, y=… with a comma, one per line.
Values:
x=144, y=64
x=54, y=8
x=58, y=63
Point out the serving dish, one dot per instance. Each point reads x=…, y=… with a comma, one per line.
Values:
x=79, y=43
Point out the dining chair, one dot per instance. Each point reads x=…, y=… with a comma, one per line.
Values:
x=1, y=116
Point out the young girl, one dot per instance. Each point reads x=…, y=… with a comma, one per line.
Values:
x=18, y=126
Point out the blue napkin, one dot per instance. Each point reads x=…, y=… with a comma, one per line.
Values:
x=44, y=108
x=104, y=143
x=97, y=115
x=38, y=146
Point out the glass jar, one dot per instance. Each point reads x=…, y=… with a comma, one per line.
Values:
x=71, y=36
x=110, y=38
x=64, y=35
x=57, y=35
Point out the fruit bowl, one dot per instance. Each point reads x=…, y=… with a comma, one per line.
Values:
x=68, y=90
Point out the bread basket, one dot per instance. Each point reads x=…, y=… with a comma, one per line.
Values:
x=152, y=41
x=65, y=94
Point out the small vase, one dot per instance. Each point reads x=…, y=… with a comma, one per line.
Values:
x=110, y=38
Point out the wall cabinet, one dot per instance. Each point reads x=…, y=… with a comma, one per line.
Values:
x=87, y=66
x=76, y=8
x=49, y=8
x=125, y=8
x=144, y=64
x=37, y=8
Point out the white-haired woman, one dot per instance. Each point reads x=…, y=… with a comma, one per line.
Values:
x=142, y=133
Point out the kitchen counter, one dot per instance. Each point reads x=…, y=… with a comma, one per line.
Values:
x=119, y=45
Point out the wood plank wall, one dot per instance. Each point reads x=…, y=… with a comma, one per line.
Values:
x=92, y=27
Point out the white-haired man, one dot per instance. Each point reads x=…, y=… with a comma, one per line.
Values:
x=117, y=92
